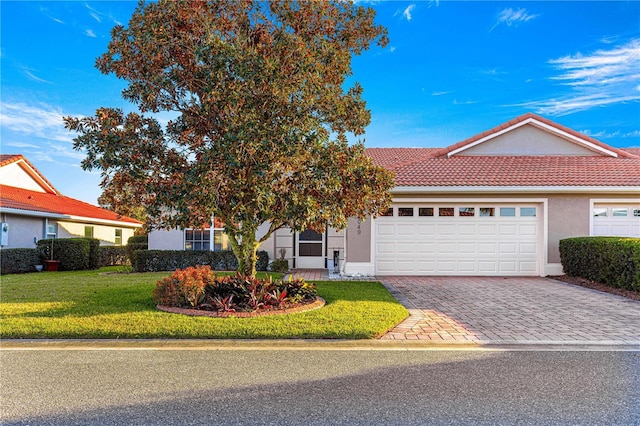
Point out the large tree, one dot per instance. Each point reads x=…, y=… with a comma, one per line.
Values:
x=261, y=114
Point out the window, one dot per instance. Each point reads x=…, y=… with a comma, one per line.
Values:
x=636, y=212
x=527, y=212
x=445, y=211
x=487, y=211
x=310, y=243
x=425, y=211
x=507, y=211
x=600, y=212
x=52, y=230
x=389, y=212
x=197, y=239
x=466, y=211
x=405, y=211
x=118, y=239
x=88, y=231
x=619, y=212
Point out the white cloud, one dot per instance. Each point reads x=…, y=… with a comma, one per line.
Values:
x=511, y=17
x=598, y=79
x=42, y=121
x=407, y=12
x=441, y=93
x=90, y=33
x=34, y=77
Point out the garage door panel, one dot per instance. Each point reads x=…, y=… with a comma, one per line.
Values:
x=385, y=229
x=528, y=230
x=486, y=229
x=507, y=229
x=507, y=248
x=459, y=245
x=446, y=229
x=528, y=248
x=467, y=229
x=467, y=248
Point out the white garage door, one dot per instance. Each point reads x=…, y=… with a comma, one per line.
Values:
x=616, y=220
x=500, y=239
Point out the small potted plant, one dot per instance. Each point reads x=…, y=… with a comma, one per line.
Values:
x=51, y=265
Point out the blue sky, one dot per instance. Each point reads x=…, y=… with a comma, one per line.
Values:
x=451, y=70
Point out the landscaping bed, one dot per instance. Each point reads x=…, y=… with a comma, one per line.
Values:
x=583, y=282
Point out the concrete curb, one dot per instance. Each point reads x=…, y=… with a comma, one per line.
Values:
x=298, y=344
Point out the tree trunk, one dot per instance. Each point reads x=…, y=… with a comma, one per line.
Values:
x=245, y=252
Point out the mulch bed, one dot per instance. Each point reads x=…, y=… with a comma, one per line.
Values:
x=583, y=282
x=318, y=303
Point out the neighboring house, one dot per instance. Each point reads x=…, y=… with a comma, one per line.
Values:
x=497, y=203
x=32, y=209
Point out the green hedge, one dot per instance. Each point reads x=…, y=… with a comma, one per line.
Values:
x=74, y=254
x=614, y=261
x=18, y=260
x=170, y=260
x=135, y=243
x=113, y=256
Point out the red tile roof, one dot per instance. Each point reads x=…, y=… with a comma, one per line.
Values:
x=23, y=199
x=433, y=167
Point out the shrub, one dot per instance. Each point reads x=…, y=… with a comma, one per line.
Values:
x=73, y=253
x=94, y=253
x=280, y=265
x=614, y=261
x=18, y=260
x=184, y=288
x=113, y=256
x=169, y=260
x=135, y=243
x=263, y=260
x=198, y=287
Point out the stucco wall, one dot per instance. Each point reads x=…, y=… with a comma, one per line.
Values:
x=528, y=140
x=14, y=174
x=359, y=240
x=22, y=230
x=105, y=233
x=568, y=217
x=166, y=240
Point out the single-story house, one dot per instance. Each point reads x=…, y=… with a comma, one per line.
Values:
x=497, y=203
x=32, y=209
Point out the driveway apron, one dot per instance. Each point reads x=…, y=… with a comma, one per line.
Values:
x=511, y=310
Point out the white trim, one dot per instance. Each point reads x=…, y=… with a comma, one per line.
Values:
x=589, y=145
x=515, y=189
x=59, y=216
x=359, y=268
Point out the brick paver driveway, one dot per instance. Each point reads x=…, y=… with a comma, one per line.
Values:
x=511, y=310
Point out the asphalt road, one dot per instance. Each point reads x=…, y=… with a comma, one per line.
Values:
x=318, y=387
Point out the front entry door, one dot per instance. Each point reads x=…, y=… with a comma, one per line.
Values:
x=311, y=249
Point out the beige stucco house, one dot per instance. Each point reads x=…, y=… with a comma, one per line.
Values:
x=497, y=203
x=32, y=209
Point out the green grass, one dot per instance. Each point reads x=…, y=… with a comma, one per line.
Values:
x=91, y=304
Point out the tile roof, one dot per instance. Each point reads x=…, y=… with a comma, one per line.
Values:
x=434, y=167
x=24, y=199
x=521, y=171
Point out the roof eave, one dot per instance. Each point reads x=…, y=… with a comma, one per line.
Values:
x=515, y=189
x=71, y=218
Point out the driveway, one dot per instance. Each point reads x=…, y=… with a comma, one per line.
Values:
x=511, y=310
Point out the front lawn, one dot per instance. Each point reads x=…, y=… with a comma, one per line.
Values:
x=91, y=304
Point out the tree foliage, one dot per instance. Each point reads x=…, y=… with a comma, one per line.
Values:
x=261, y=117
